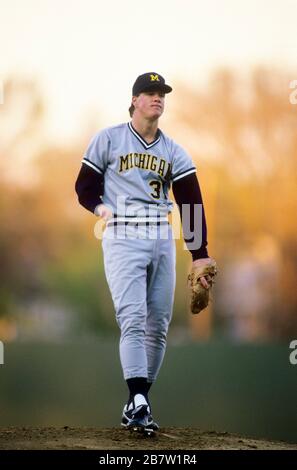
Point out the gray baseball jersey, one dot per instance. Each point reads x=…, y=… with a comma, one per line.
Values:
x=137, y=175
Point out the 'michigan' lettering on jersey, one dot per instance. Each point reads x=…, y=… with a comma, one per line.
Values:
x=144, y=161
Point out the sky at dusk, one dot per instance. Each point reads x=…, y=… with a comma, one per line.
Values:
x=87, y=54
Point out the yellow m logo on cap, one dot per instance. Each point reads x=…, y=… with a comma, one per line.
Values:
x=154, y=78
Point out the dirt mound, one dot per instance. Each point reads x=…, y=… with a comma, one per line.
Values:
x=67, y=438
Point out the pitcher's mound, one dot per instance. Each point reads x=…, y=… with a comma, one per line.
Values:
x=67, y=438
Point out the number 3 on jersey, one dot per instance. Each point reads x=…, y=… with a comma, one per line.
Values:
x=156, y=185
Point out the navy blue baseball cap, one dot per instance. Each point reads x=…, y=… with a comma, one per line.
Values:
x=148, y=82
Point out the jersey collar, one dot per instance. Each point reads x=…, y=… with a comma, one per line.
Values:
x=141, y=139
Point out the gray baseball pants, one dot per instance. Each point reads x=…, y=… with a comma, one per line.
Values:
x=139, y=264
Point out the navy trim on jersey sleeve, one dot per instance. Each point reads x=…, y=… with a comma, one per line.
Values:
x=187, y=191
x=95, y=167
x=89, y=187
x=183, y=174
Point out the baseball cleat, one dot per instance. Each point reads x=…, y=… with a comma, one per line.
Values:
x=127, y=417
x=138, y=417
x=152, y=424
x=143, y=431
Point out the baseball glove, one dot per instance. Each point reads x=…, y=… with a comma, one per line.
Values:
x=200, y=294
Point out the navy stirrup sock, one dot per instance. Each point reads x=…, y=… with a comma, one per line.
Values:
x=138, y=385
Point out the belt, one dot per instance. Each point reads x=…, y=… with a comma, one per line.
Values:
x=142, y=221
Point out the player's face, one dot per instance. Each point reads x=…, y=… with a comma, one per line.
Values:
x=150, y=104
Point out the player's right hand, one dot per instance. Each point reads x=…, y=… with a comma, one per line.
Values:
x=200, y=264
x=103, y=211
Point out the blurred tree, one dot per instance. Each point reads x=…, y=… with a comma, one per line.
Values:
x=242, y=133
x=46, y=239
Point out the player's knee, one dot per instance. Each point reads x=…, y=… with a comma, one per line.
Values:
x=157, y=334
x=133, y=331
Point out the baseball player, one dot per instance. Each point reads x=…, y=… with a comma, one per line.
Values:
x=125, y=177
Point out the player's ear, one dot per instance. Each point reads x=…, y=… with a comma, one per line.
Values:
x=134, y=99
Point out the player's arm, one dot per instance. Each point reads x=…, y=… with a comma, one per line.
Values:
x=89, y=188
x=89, y=185
x=186, y=190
